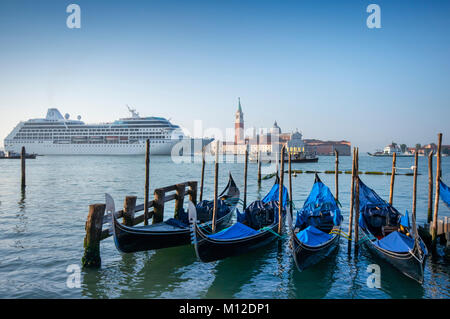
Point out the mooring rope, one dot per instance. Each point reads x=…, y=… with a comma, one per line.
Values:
x=341, y=232
x=273, y=232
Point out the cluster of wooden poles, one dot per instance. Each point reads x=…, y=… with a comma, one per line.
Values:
x=354, y=193
x=431, y=218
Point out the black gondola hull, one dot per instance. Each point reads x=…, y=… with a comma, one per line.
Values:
x=306, y=256
x=208, y=249
x=134, y=239
x=162, y=235
x=406, y=263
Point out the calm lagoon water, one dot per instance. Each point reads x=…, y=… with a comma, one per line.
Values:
x=42, y=231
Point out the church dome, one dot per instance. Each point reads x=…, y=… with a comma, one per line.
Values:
x=275, y=129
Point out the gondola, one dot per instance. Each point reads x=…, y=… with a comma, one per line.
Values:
x=255, y=227
x=317, y=229
x=389, y=235
x=175, y=231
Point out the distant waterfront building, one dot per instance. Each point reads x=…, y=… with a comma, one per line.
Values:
x=239, y=125
x=327, y=147
x=274, y=139
x=296, y=143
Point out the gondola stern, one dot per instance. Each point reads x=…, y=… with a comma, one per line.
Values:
x=110, y=211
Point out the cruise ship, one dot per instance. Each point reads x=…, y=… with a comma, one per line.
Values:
x=58, y=135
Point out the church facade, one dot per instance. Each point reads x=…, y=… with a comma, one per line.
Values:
x=271, y=140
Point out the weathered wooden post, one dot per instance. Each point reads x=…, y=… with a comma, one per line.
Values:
x=356, y=198
x=280, y=196
x=22, y=159
x=94, y=222
x=259, y=169
x=352, y=195
x=147, y=181
x=180, y=190
x=290, y=188
x=203, y=174
x=416, y=157
x=391, y=191
x=129, y=207
x=158, y=206
x=245, y=176
x=216, y=181
x=436, y=198
x=430, y=188
x=336, y=174
x=193, y=192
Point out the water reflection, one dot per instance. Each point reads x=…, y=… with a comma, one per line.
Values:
x=232, y=273
x=22, y=220
x=393, y=282
x=314, y=282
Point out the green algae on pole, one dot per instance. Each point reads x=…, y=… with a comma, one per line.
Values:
x=93, y=227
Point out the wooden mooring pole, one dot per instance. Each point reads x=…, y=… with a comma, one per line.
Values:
x=436, y=199
x=129, y=207
x=430, y=188
x=203, y=174
x=216, y=181
x=291, y=201
x=245, y=176
x=416, y=157
x=22, y=159
x=352, y=195
x=336, y=175
x=93, y=227
x=391, y=191
x=356, y=199
x=179, y=199
x=147, y=181
x=280, y=196
x=259, y=169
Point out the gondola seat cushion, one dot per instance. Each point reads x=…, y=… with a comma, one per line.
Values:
x=259, y=214
x=238, y=230
x=396, y=242
x=205, y=210
x=312, y=236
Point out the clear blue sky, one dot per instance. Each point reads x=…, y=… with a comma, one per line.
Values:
x=312, y=65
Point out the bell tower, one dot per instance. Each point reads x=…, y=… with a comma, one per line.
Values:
x=239, y=125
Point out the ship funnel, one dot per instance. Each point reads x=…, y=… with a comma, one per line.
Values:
x=54, y=115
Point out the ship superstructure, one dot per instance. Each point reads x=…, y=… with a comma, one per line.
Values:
x=58, y=135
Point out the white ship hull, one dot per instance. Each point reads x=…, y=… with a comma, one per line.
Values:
x=184, y=147
x=58, y=135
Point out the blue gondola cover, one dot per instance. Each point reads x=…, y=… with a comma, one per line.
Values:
x=444, y=193
x=396, y=242
x=404, y=220
x=274, y=195
x=312, y=236
x=374, y=210
x=238, y=230
x=319, y=202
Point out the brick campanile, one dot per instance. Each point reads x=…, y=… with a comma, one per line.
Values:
x=239, y=125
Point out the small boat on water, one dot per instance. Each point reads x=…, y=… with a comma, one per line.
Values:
x=303, y=158
x=255, y=227
x=175, y=231
x=382, y=154
x=300, y=157
x=317, y=229
x=12, y=155
x=390, y=235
